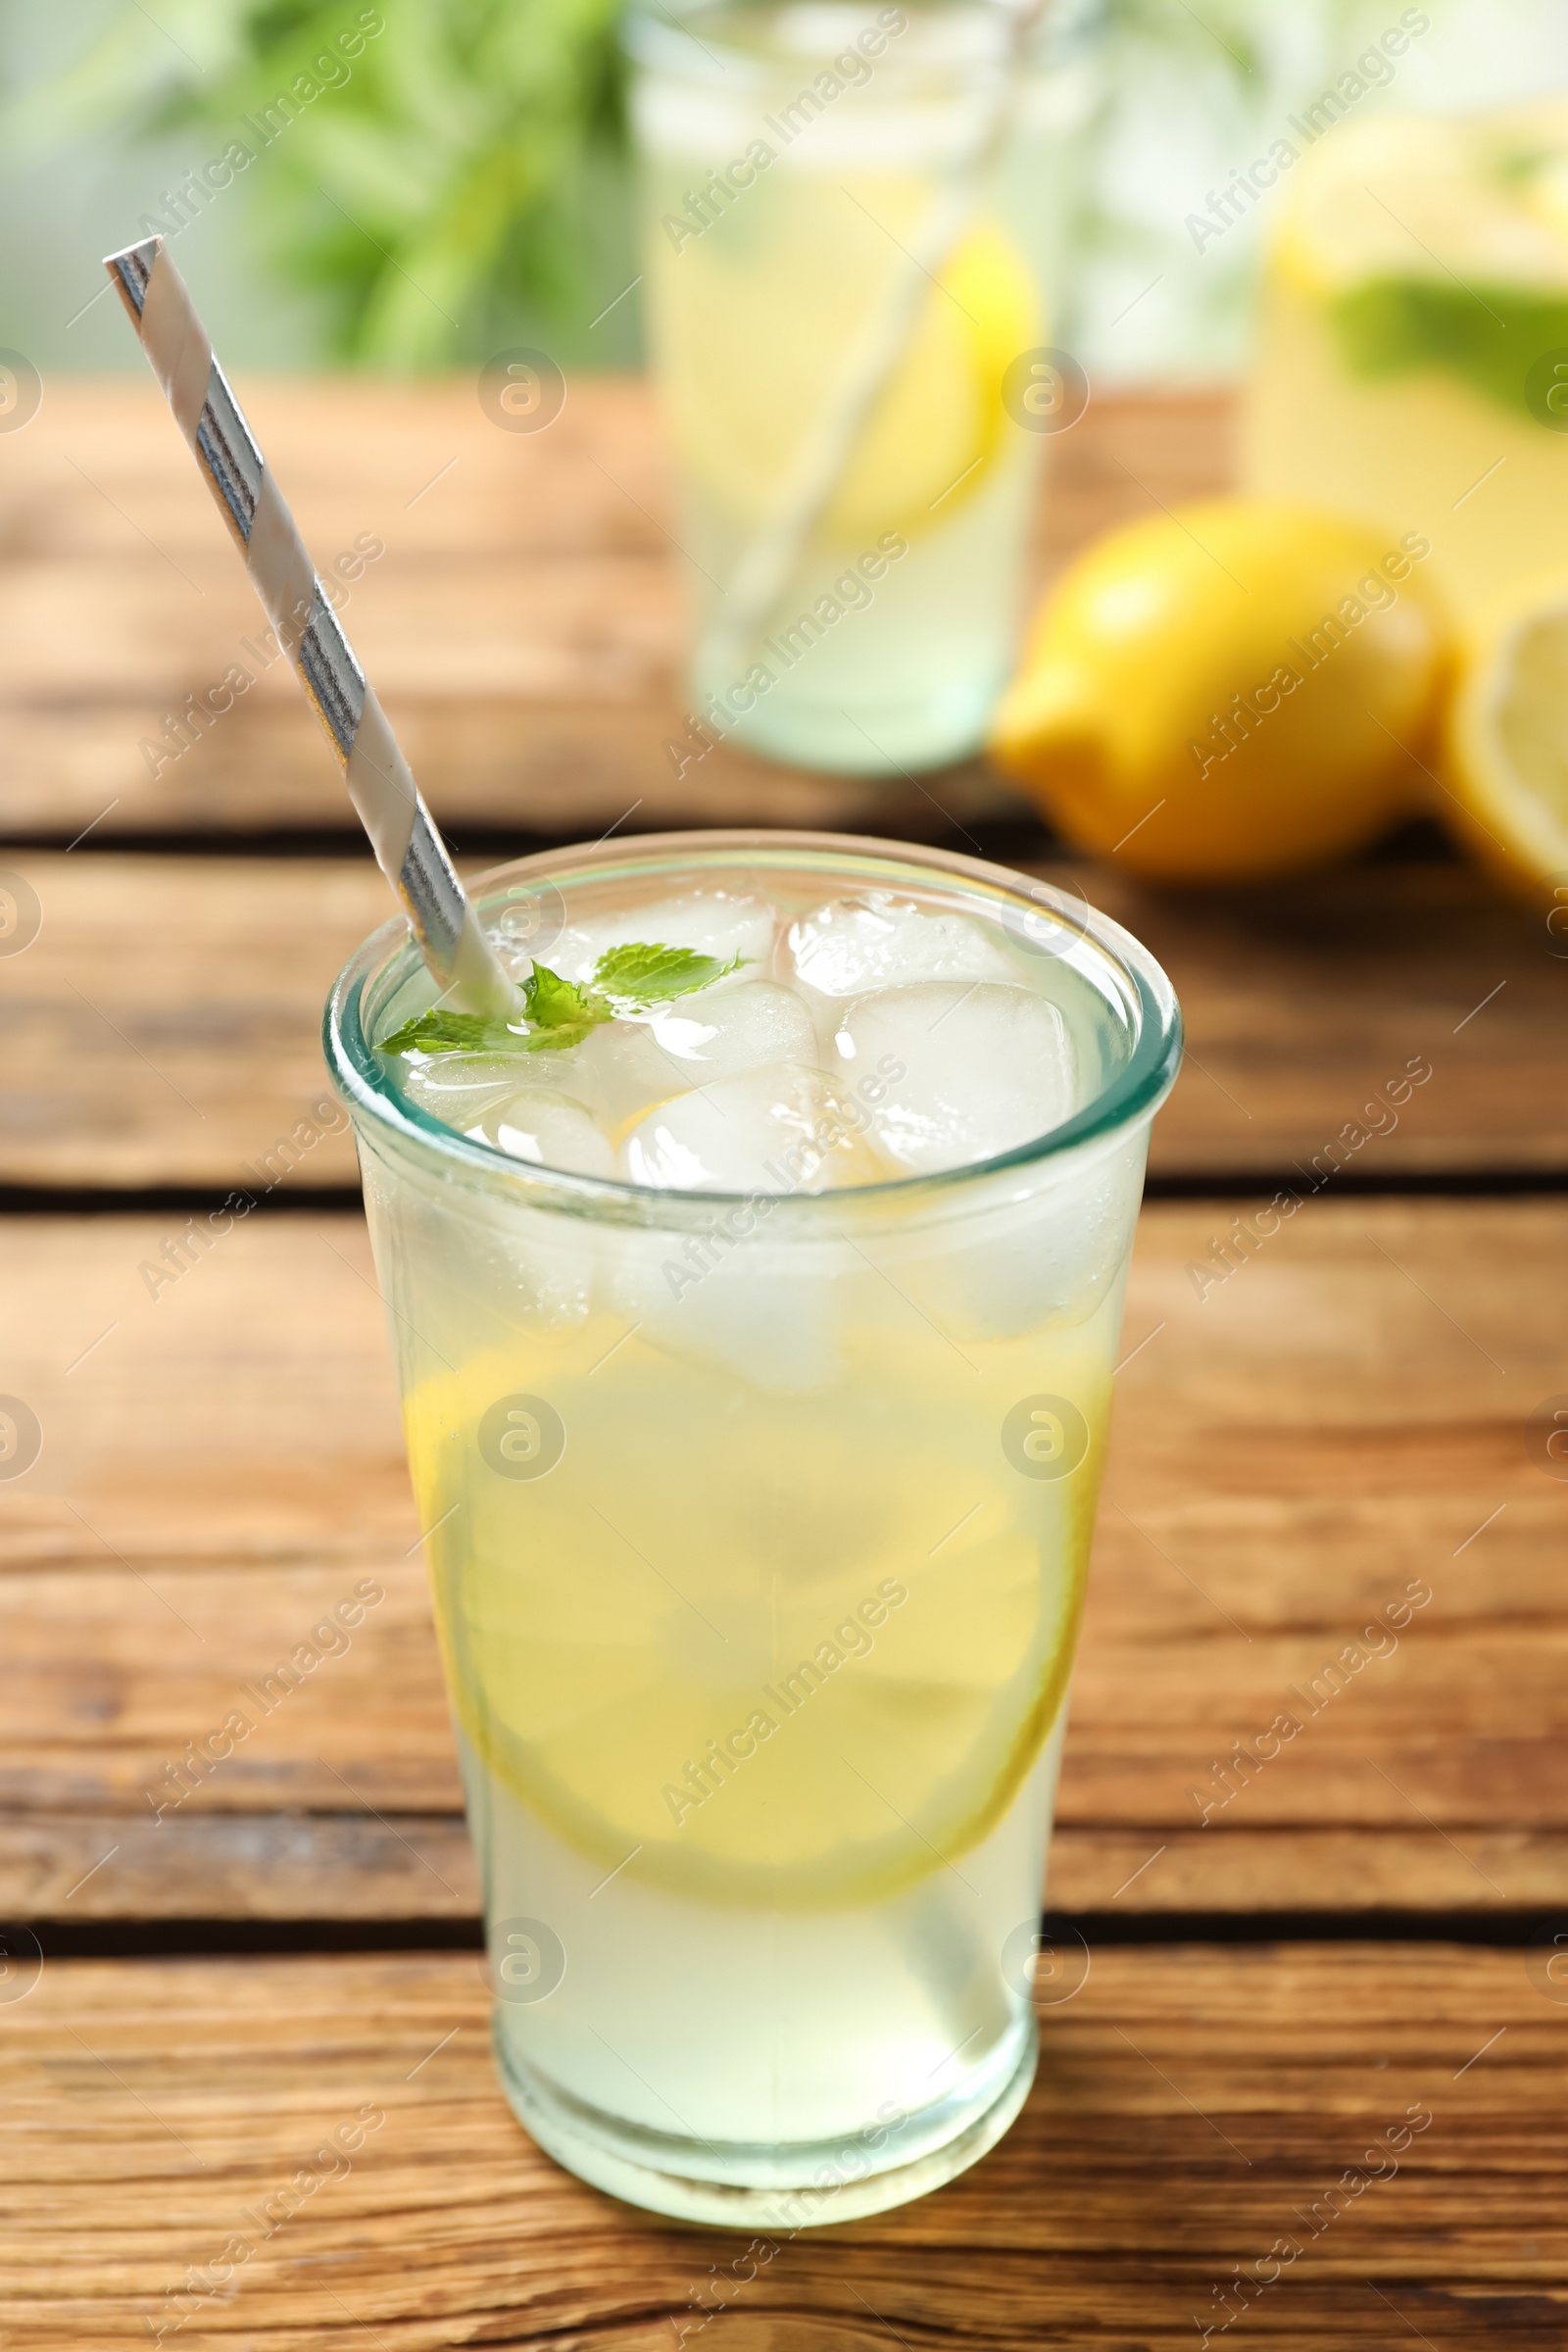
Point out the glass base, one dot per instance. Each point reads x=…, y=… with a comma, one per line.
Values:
x=781, y=2188
x=860, y=738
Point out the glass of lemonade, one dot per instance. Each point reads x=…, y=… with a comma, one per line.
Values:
x=756, y=1328
x=832, y=188
x=1413, y=365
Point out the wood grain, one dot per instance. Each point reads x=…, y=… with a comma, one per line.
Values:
x=524, y=626
x=408, y=1868
x=1343, y=1417
x=164, y=1026
x=1193, y=2109
x=1304, y=1001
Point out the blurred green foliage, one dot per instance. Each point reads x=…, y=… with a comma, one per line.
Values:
x=455, y=171
x=1139, y=28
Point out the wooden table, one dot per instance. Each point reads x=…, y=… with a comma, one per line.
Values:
x=1363, y=1931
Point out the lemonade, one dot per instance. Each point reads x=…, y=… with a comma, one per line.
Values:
x=1413, y=367
x=794, y=161
x=755, y=1299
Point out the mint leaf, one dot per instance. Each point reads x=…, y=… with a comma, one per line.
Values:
x=555, y=1004
x=638, y=974
x=438, y=1032
x=473, y=1033
x=1488, y=335
x=558, y=1013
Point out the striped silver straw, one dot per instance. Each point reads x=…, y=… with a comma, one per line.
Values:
x=409, y=850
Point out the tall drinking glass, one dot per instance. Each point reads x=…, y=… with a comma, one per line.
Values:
x=758, y=1524
x=854, y=220
x=1412, y=361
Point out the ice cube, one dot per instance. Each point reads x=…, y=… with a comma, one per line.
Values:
x=1050, y=1255
x=878, y=940
x=785, y=1128
x=722, y=1293
x=715, y=922
x=715, y=1034
x=963, y=1071
x=460, y=1088
x=551, y=1129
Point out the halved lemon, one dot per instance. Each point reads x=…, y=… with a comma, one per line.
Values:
x=753, y=342
x=799, y=1666
x=1507, y=745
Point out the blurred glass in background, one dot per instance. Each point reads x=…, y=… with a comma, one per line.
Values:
x=1413, y=358
x=1188, y=165
x=854, y=233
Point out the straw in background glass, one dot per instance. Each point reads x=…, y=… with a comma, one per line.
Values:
x=403, y=833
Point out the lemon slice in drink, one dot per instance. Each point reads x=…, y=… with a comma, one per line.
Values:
x=1509, y=745
x=772, y=1684
x=753, y=347
x=1396, y=197
x=1400, y=198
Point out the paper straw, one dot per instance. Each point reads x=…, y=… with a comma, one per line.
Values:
x=764, y=570
x=409, y=850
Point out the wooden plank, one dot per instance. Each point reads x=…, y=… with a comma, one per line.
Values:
x=1193, y=2109
x=524, y=624
x=348, y=1865
x=1343, y=1417
x=164, y=1026
x=1304, y=1001
x=392, y=1865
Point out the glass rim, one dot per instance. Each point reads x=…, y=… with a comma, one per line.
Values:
x=655, y=41
x=1133, y=1095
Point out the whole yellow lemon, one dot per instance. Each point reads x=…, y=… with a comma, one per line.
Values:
x=1237, y=689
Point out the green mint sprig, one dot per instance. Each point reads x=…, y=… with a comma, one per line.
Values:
x=558, y=1013
x=639, y=977
x=1488, y=335
x=561, y=1013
